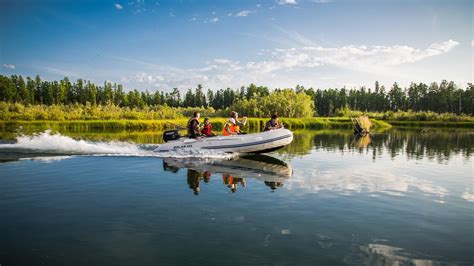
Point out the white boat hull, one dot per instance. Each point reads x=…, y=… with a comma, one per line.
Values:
x=248, y=143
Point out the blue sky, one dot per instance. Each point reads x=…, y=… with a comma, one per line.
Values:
x=157, y=44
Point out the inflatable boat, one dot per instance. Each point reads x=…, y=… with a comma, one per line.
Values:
x=249, y=143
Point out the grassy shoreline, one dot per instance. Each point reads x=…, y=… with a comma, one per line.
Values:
x=431, y=124
x=254, y=124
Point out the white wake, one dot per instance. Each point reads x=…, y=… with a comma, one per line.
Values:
x=55, y=143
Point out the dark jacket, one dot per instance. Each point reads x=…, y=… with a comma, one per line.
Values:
x=269, y=125
x=193, y=128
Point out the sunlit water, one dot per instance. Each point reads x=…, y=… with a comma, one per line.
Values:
x=399, y=197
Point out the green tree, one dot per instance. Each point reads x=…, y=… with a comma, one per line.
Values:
x=189, y=99
x=119, y=96
x=30, y=87
x=7, y=89
x=23, y=93
x=199, y=97
x=47, y=92
x=108, y=94
x=64, y=91
x=174, y=98
x=396, y=97
x=38, y=93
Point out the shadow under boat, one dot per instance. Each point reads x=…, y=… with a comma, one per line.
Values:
x=262, y=167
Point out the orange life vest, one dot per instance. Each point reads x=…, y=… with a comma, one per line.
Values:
x=232, y=128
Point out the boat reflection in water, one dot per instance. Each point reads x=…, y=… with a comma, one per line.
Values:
x=272, y=171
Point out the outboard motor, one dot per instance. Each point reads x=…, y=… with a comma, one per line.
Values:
x=171, y=135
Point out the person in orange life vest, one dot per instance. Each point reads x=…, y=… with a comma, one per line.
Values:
x=232, y=126
x=207, y=128
x=193, y=126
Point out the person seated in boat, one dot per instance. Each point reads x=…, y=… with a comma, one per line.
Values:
x=273, y=123
x=232, y=126
x=193, y=126
x=207, y=128
x=239, y=124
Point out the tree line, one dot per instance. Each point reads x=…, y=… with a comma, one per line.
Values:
x=443, y=97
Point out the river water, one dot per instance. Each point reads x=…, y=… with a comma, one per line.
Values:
x=399, y=197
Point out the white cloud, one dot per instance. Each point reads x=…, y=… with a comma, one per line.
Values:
x=280, y=67
x=244, y=13
x=287, y=2
x=118, y=6
x=229, y=14
x=437, y=48
x=320, y=1
x=149, y=79
x=360, y=58
x=259, y=5
x=214, y=20
x=359, y=179
x=472, y=43
x=138, y=6
x=468, y=196
x=58, y=72
x=10, y=66
x=222, y=61
x=294, y=36
x=391, y=256
x=327, y=78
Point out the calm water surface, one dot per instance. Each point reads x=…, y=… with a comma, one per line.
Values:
x=399, y=197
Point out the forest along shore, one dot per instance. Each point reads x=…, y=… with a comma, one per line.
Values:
x=84, y=105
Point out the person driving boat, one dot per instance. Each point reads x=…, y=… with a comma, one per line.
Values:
x=273, y=123
x=193, y=126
